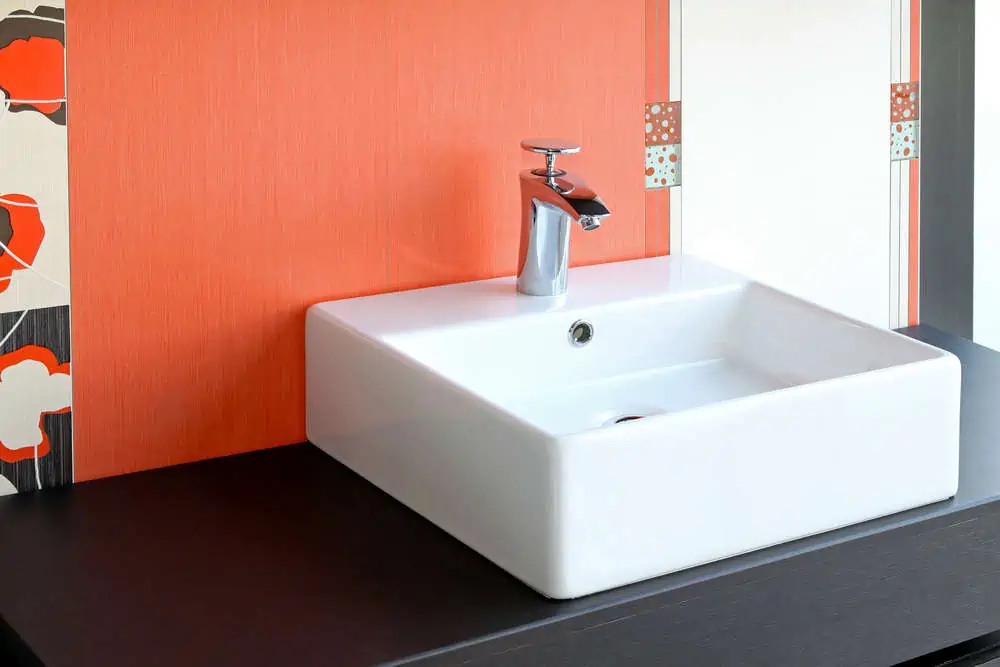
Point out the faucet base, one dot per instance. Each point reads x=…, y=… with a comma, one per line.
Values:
x=545, y=252
x=525, y=291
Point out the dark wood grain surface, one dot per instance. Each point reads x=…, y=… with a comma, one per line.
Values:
x=285, y=557
x=980, y=652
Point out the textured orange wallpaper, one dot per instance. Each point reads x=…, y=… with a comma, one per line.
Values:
x=233, y=161
x=657, y=87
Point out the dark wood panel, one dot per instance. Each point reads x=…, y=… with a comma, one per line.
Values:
x=13, y=651
x=875, y=601
x=979, y=652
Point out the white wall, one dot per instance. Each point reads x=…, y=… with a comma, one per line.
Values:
x=786, y=161
x=986, y=276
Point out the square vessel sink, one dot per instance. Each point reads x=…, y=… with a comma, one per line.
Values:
x=664, y=414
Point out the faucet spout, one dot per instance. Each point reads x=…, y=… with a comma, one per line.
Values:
x=551, y=200
x=590, y=223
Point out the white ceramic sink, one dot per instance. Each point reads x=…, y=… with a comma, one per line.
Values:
x=766, y=418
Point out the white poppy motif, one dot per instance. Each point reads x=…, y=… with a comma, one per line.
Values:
x=28, y=389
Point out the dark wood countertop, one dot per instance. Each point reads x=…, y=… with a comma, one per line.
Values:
x=285, y=557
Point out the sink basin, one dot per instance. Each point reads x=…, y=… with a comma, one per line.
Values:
x=704, y=415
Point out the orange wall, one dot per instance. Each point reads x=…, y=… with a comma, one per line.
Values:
x=233, y=161
x=657, y=87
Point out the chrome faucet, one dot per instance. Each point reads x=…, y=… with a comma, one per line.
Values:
x=551, y=200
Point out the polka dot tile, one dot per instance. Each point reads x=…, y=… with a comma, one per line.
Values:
x=904, y=143
x=663, y=123
x=663, y=166
x=905, y=98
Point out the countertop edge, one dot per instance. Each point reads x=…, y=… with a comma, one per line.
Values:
x=875, y=594
x=879, y=599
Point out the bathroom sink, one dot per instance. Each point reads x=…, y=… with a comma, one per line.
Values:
x=663, y=414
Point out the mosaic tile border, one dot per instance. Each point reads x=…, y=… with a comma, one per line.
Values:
x=663, y=144
x=904, y=128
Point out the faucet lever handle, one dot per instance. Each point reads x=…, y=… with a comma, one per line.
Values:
x=550, y=148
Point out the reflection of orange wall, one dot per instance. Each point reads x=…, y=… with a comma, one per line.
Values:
x=232, y=161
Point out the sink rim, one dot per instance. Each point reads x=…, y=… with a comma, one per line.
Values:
x=389, y=339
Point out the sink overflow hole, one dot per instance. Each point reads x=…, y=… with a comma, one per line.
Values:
x=581, y=332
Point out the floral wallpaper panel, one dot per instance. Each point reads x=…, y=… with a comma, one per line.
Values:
x=35, y=377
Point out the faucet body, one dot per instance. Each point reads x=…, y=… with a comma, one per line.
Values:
x=551, y=201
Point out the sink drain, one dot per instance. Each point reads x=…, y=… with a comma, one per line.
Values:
x=628, y=418
x=632, y=414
